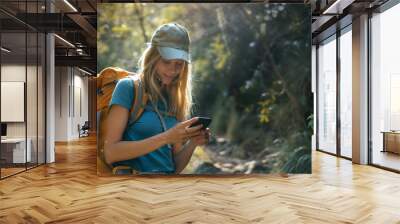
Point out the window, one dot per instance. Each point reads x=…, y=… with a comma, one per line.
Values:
x=346, y=92
x=327, y=95
x=385, y=88
x=22, y=68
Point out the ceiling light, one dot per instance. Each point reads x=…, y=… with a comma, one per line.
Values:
x=337, y=7
x=64, y=40
x=330, y=8
x=79, y=51
x=5, y=50
x=84, y=71
x=71, y=6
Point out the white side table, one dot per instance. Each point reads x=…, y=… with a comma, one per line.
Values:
x=18, y=145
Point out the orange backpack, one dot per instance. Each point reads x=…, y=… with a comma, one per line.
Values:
x=107, y=79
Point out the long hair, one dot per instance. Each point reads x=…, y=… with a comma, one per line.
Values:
x=179, y=90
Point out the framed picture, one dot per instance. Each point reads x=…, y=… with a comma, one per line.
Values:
x=242, y=71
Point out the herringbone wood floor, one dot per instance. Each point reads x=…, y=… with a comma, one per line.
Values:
x=70, y=192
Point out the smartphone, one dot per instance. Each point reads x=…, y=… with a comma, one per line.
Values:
x=205, y=121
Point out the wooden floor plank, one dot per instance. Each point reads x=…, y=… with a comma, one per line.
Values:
x=69, y=191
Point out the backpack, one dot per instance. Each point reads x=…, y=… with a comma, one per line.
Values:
x=107, y=79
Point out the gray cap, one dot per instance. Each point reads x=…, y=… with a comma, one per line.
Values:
x=172, y=41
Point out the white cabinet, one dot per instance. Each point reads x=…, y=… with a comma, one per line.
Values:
x=17, y=145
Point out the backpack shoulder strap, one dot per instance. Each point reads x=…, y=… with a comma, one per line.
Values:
x=139, y=101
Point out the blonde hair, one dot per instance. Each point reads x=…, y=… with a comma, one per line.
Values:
x=179, y=91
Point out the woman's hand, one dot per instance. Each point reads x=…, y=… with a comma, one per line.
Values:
x=201, y=139
x=181, y=132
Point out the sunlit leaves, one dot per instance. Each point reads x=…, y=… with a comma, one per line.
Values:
x=220, y=53
x=265, y=110
x=121, y=30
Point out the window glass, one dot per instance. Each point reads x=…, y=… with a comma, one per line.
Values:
x=327, y=96
x=346, y=93
x=385, y=87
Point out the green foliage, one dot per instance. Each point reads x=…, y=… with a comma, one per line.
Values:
x=219, y=124
x=299, y=161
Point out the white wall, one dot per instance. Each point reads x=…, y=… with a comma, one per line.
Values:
x=80, y=100
x=12, y=73
x=71, y=93
x=61, y=103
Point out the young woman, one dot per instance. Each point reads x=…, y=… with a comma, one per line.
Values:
x=165, y=75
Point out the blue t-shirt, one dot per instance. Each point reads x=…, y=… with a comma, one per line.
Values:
x=158, y=161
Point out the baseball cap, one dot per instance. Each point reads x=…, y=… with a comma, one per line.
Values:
x=172, y=41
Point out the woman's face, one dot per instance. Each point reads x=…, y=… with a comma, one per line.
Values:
x=168, y=70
